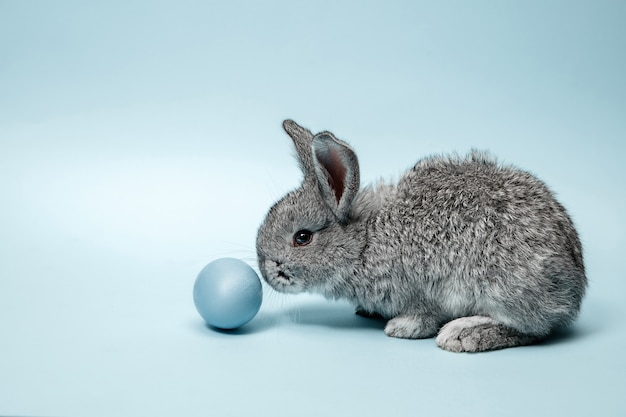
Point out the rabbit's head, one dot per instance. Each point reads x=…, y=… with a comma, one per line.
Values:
x=309, y=238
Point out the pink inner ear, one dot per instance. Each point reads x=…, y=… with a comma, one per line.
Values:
x=337, y=173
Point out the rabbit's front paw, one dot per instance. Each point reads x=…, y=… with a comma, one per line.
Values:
x=412, y=326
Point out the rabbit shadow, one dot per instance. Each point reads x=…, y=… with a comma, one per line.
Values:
x=333, y=315
x=562, y=336
x=595, y=319
x=342, y=316
x=329, y=315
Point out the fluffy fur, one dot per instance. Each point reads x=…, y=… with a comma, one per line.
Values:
x=477, y=253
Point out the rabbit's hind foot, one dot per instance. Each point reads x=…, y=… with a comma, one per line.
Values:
x=479, y=334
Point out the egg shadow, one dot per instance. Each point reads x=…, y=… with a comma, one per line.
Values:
x=258, y=324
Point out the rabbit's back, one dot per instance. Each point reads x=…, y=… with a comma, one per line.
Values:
x=481, y=238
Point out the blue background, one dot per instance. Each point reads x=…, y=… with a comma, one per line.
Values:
x=141, y=140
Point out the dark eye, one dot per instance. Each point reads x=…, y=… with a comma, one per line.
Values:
x=302, y=238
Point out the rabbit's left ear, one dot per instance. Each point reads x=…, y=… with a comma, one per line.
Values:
x=302, y=141
x=337, y=172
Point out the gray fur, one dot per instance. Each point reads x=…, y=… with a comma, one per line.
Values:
x=465, y=241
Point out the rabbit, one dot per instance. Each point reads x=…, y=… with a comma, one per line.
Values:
x=476, y=253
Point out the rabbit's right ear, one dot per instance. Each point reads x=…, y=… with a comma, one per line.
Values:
x=302, y=139
x=337, y=172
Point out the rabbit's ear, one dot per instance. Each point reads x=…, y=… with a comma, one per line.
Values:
x=337, y=171
x=302, y=140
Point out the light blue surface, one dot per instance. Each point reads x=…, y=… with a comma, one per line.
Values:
x=140, y=140
x=227, y=293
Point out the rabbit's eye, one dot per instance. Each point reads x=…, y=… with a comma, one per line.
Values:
x=302, y=238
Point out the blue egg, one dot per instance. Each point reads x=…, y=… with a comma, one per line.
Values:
x=227, y=293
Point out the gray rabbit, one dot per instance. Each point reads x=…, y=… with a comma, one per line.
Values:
x=479, y=254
